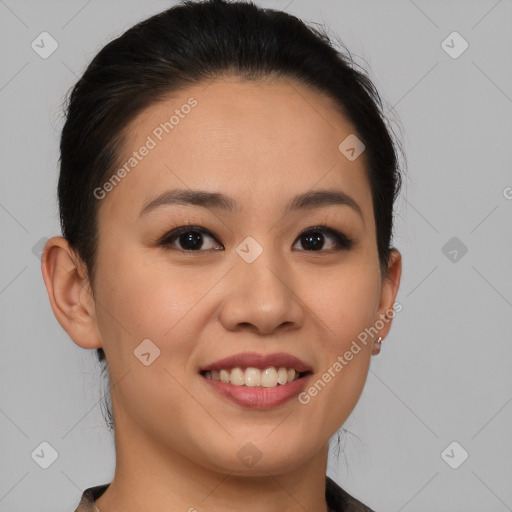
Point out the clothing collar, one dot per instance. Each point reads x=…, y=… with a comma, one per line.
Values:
x=337, y=499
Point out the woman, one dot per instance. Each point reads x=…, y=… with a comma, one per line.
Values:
x=226, y=193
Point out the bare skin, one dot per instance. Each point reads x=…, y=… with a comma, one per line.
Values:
x=176, y=439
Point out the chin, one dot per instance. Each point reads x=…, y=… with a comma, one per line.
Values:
x=257, y=457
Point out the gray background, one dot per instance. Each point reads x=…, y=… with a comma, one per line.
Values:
x=444, y=372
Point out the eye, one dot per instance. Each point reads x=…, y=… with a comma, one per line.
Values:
x=190, y=239
x=314, y=239
x=195, y=239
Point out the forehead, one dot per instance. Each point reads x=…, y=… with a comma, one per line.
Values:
x=250, y=140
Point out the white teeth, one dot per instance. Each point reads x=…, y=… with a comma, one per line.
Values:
x=282, y=375
x=254, y=377
x=270, y=378
x=237, y=377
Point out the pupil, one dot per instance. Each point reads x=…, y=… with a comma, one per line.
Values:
x=314, y=240
x=191, y=240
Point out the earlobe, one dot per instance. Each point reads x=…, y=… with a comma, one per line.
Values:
x=69, y=292
x=376, y=346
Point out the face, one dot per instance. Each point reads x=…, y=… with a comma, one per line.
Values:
x=252, y=273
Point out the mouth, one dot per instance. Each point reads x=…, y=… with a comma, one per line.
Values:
x=251, y=388
x=257, y=381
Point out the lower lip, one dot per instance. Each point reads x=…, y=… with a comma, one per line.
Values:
x=259, y=397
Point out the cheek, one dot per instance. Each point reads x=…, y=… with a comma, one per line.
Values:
x=139, y=302
x=147, y=299
x=154, y=300
x=346, y=301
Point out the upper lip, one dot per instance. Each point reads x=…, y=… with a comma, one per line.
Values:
x=261, y=361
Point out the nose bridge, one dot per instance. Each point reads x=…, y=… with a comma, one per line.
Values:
x=262, y=260
x=261, y=292
x=263, y=277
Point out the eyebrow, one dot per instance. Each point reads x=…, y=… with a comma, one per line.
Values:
x=307, y=200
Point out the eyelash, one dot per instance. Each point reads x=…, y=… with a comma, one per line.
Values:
x=344, y=243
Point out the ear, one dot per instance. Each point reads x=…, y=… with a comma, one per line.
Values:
x=70, y=293
x=389, y=290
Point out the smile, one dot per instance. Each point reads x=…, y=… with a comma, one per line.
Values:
x=257, y=396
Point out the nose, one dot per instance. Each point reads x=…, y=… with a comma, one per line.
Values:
x=260, y=297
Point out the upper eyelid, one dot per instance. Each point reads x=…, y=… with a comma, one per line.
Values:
x=185, y=229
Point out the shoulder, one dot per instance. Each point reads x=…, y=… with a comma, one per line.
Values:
x=89, y=496
x=339, y=500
